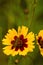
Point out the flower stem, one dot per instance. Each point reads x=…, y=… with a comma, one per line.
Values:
x=10, y=60
x=34, y=3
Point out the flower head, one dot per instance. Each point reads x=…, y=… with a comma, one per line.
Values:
x=40, y=41
x=18, y=42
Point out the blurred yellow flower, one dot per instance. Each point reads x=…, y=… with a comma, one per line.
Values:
x=40, y=41
x=18, y=42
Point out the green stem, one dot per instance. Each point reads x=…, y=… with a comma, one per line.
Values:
x=0, y=33
x=10, y=61
x=34, y=3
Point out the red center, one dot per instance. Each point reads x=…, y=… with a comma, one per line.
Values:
x=19, y=43
x=40, y=41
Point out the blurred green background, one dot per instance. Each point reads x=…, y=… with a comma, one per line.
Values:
x=14, y=13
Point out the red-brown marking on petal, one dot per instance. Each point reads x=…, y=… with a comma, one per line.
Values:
x=24, y=40
x=25, y=45
x=12, y=42
x=15, y=37
x=40, y=41
x=16, y=49
x=21, y=48
x=21, y=37
x=12, y=47
x=19, y=43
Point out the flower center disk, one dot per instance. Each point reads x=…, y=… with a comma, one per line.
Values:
x=19, y=43
x=40, y=41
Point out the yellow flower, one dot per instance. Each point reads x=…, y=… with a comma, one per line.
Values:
x=40, y=41
x=18, y=42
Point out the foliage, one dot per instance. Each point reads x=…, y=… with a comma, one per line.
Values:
x=16, y=13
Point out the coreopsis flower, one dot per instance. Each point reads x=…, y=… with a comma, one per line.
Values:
x=18, y=42
x=40, y=41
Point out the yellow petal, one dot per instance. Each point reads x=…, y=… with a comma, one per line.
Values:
x=30, y=48
x=12, y=33
x=14, y=52
x=6, y=42
x=9, y=37
x=41, y=51
x=41, y=33
x=30, y=36
x=23, y=30
x=7, y=47
x=22, y=53
x=19, y=30
x=7, y=50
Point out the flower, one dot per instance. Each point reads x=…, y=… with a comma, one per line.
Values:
x=40, y=41
x=18, y=42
